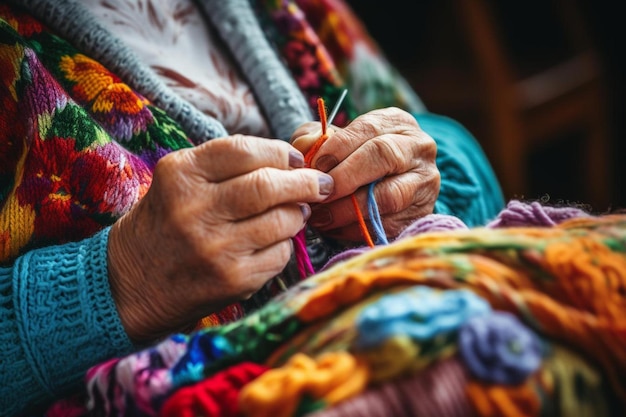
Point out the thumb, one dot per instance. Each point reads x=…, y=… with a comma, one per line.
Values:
x=305, y=136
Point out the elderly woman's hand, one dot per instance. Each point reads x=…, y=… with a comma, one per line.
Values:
x=385, y=144
x=213, y=228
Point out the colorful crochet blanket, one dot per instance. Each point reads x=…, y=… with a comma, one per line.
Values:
x=523, y=317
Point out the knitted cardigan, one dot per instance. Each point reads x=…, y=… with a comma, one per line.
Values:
x=83, y=123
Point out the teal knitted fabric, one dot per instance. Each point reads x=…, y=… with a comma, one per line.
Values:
x=65, y=313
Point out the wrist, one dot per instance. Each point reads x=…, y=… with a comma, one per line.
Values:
x=126, y=279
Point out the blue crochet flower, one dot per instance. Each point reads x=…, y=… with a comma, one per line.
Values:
x=419, y=312
x=499, y=348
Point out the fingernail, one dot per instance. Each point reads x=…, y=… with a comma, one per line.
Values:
x=306, y=211
x=296, y=160
x=326, y=163
x=326, y=184
x=320, y=217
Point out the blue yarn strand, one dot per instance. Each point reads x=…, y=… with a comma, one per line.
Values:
x=377, y=223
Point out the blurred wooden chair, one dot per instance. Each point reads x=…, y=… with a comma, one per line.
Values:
x=520, y=75
x=529, y=101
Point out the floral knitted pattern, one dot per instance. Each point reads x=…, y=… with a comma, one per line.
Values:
x=89, y=154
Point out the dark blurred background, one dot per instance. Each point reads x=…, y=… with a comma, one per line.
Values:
x=539, y=83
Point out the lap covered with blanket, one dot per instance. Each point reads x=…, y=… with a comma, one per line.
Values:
x=522, y=317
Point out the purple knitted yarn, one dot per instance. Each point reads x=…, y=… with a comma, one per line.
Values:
x=428, y=223
x=439, y=390
x=520, y=214
x=342, y=256
x=432, y=223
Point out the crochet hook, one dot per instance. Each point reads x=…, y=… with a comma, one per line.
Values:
x=335, y=109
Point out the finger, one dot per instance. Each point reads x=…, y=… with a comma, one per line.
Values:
x=255, y=269
x=269, y=262
x=397, y=213
x=272, y=226
x=365, y=127
x=256, y=192
x=383, y=156
x=224, y=158
x=305, y=136
x=393, y=194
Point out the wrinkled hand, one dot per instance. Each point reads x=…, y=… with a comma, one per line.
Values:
x=214, y=226
x=385, y=144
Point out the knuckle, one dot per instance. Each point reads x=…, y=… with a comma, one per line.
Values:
x=428, y=148
x=390, y=154
x=283, y=254
x=394, y=116
x=224, y=268
x=430, y=188
x=365, y=126
x=236, y=142
x=263, y=183
x=396, y=196
x=236, y=146
x=169, y=164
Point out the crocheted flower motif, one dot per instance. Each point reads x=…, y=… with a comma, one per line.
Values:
x=498, y=348
x=418, y=312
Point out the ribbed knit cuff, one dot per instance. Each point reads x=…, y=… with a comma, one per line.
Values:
x=15, y=380
x=66, y=316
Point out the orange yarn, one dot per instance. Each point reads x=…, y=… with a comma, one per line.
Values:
x=308, y=158
x=333, y=377
x=503, y=401
x=321, y=109
x=362, y=225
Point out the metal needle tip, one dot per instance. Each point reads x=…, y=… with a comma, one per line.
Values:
x=333, y=113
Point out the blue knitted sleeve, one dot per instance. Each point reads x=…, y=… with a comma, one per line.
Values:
x=469, y=187
x=57, y=318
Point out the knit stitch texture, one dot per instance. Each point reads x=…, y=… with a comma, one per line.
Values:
x=83, y=124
